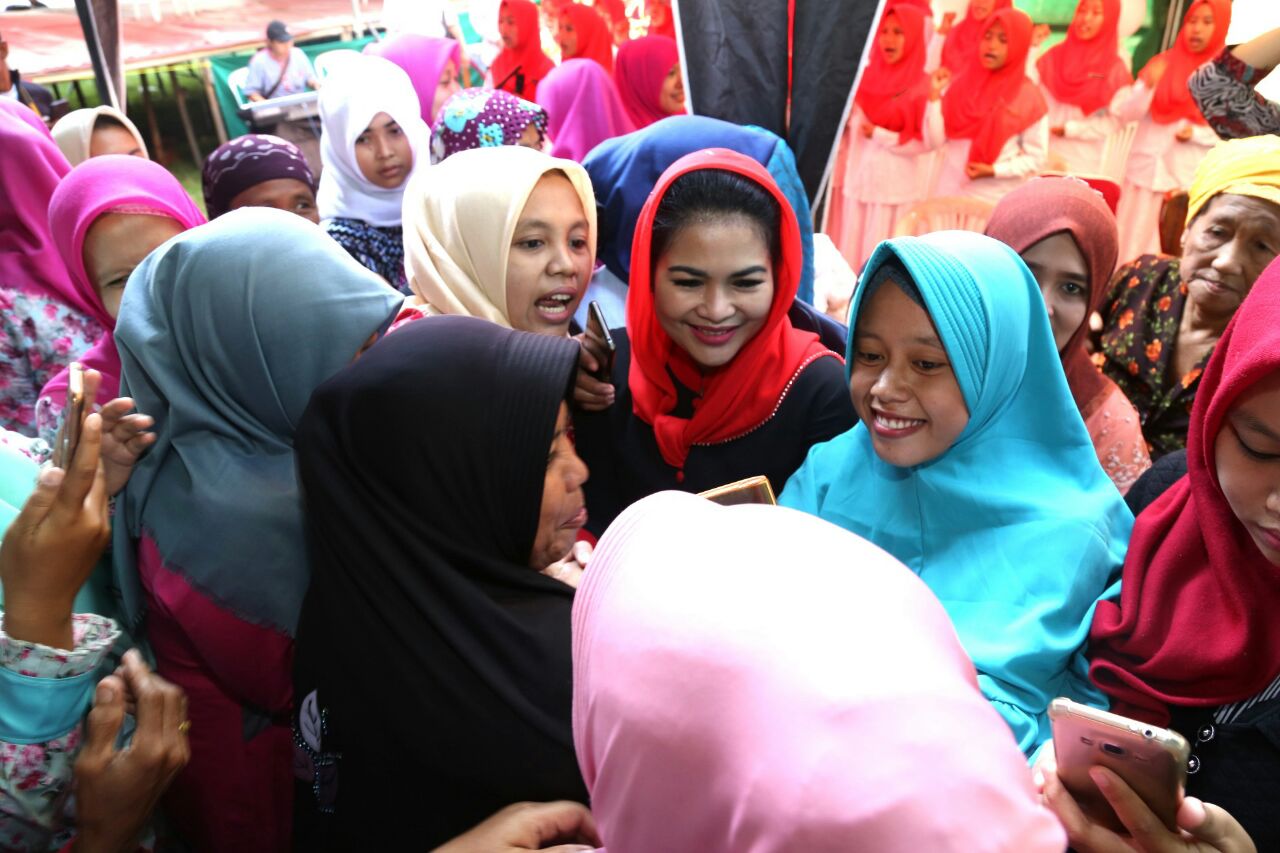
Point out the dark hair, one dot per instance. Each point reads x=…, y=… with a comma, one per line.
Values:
x=105, y=120
x=706, y=195
x=892, y=269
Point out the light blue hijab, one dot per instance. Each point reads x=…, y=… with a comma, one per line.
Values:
x=1016, y=528
x=224, y=332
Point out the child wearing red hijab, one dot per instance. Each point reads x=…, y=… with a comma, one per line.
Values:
x=995, y=116
x=1080, y=76
x=521, y=64
x=898, y=121
x=649, y=80
x=1172, y=136
x=960, y=49
x=583, y=34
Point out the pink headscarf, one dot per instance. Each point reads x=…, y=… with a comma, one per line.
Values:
x=111, y=184
x=583, y=108
x=639, y=73
x=30, y=169
x=751, y=678
x=424, y=59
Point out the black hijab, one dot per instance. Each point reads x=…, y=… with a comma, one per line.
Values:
x=440, y=662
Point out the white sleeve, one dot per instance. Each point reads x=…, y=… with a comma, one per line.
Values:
x=1024, y=155
x=1132, y=102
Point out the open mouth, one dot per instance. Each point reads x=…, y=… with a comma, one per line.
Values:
x=713, y=335
x=577, y=520
x=891, y=426
x=554, y=307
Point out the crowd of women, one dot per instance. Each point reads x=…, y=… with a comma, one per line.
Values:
x=403, y=554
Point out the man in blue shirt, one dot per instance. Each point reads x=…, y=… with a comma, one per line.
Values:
x=281, y=69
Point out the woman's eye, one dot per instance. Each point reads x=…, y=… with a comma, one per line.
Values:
x=929, y=365
x=868, y=357
x=579, y=243
x=362, y=139
x=1071, y=288
x=686, y=282
x=748, y=283
x=530, y=244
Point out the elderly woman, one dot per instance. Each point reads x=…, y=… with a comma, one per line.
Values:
x=1164, y=315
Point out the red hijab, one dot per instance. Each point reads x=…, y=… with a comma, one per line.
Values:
x=615, y=12
x=990, y=107
x=594, y=40
x=1041, y=208
x=668, y=26
x=643, y=65
x=1167, y=72
x=1087, y=73
x=894, y=96
x=527, y=54
x=1195, y=625
x=743, y=394
x=960, y=50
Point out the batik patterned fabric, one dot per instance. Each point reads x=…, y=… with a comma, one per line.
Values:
x=483, y=118
x=246, y=162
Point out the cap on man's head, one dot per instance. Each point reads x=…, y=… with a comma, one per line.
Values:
x=277, y=31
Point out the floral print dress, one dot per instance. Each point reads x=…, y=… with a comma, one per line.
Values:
x=39, y=337
x=1140, y=331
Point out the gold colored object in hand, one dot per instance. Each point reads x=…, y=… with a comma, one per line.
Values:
x=184, y=727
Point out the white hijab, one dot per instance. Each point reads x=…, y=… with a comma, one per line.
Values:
x=351, y=97
x=74, y=132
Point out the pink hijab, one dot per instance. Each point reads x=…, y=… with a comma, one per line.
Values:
x=30, y=169
x=583, y=108
x=639, y=72
x=111, y=184
x=424, y=59
x=754, y=679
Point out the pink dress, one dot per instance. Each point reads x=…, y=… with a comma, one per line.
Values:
x=1116, y=432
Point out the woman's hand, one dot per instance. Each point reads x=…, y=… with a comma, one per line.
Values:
x=938, y=82
x=590, y=393
x=867, y=129
x=1058, y=130
x=979, y=170
x=1184, y=134
x=54, y=543
x=569, y=570
x=948, y=21
x=125, y=437
x=531, y=826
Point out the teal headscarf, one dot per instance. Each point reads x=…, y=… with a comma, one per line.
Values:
x=1016, y=527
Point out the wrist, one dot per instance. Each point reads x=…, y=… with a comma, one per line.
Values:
x=40, y=623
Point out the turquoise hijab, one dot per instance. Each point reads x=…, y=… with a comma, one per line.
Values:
x=1016, y=528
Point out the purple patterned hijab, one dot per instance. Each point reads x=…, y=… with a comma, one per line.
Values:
x=247, y=161
x=483, y=118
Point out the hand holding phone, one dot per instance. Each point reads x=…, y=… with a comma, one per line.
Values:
x=73, y=420
x=598, y=332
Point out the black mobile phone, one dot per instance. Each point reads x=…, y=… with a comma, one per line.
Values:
x=599, y=329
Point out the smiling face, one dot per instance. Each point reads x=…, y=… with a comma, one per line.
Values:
x=446, y=88
x=891, y=39
x=671, y=98
x=1247, y=456
x=383, y=153
x=1063, y=276
x=902, y=384
x=1088, y=19
x=993, y=50
x=115, y=244
x=564, y=506
x=1199, y=27
x=713, y=288
x=567, y=38
x=1224, y=250
x=550, y=262
x=288, y=194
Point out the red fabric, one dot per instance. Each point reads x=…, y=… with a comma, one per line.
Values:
x=527, y=55
x=990, y=107
x=895, y=96
x=1087, y=73
x=1195, y=625
x=594, y=39
x=1167, y=72
x=614, y=11
x=960, y=50
x=744, y=393
x=667, y=27
x=643, y=65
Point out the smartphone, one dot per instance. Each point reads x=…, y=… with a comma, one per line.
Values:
x=69, y=438
x=599, y=329
x=1151, y=760
x=753, y=490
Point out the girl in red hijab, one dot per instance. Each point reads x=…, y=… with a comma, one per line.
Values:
x=1080, y=76
x=898, y=119
x=649, y=80
x=1192, y=641
x=1172, y=135
x=583, y=34
x=995, y=116
x=661, y=19
x=712, y=382
x=960, y=49
x=521, y=64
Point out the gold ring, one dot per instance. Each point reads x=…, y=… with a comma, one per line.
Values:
x=184, y=727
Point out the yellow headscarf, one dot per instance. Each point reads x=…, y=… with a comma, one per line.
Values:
x=459, y=218
x=1249, y=167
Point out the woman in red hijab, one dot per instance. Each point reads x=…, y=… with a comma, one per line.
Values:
x=1172, y=135
x=995, y=116
x=1192, y=641
x=661, y=19
x=649, y=80
x=615, y=14
x=898, y=119
x=712, y=382
x=583, y=34
x=960, y=49
x=1080, y=76
x=521, y=64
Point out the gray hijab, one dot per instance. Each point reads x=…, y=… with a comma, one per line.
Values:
x=223, y=334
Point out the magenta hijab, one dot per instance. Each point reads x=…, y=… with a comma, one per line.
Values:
x=30, y=169
x=583, y=108
x=110, y=184
x=639, y=72
x=754, y=679
x=424, y=59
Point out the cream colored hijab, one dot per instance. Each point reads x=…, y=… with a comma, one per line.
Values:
x=459, y=218
x=74, y=132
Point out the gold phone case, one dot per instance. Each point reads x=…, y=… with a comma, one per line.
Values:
x=753, y=490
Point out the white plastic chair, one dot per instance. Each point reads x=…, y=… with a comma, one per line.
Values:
x=236, y=80
x=1115, y=153
x=946, y=213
